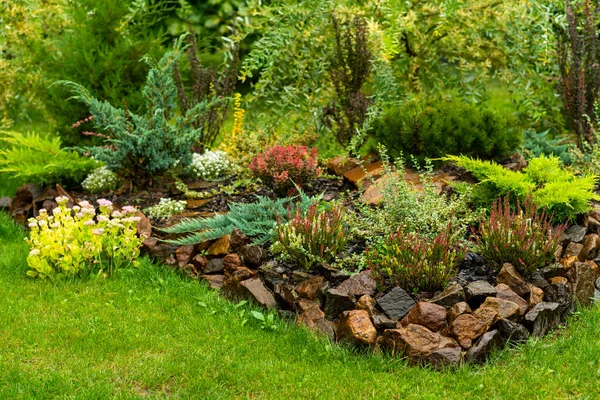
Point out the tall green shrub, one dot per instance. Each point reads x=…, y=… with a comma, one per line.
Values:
x=436, y=129
x=145, y=145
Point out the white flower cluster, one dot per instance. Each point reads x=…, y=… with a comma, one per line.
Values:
x=166, y=208
x=209, y=166
x=100, y=180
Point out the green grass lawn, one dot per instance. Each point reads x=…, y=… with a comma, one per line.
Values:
x=151, y=333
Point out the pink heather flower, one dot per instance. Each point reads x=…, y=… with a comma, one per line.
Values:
x=129, y=210
x=89, y=222
x=105, y=203
x=98, y=232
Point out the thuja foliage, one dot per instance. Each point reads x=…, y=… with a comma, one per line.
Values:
x=350, y=69
x=146, y=145
x=536, y=144
x=206, y=83
x=257, y=220
x=578, y=54
x=440, y=128
x=521, y=236
x=554, y=189
x=414, y=262
x=311, y=237
x=41, y=159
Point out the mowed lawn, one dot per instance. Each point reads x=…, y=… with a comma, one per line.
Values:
x=151, y=333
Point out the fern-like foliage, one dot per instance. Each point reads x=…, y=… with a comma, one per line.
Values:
x=41, y=160
x=145, y=145
x=256, y=220
x=557, y=190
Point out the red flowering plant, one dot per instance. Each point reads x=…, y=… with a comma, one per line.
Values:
x=280, y=167
x=521, y=236
x=414, y=262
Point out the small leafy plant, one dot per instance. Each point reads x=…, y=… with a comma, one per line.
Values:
x=209, y=166
x=76, y=241
x=316, y=236
x=166, y=208
x=414, y=262
x=523, y=237
x=283, y=167
x=100, y=180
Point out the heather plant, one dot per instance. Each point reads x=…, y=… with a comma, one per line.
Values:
x=436, y=129
x=100, y=180
x=257, y=220
x=166, y=208
x=40, y=159
x=414, y=262
x=79, y=241
x=521, y=236
x=282, y=167
x=555, y=189
x=143, y=146
x=210, y=165
x=578, y=56
x=311, y=237
x=350, y=69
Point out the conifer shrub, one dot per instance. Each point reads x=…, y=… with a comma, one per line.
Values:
x=521, y=235
x=536, y=144
x=555, y=190
x=436, y=129
x=311, y=237
x=283, y=167
x=414, y=262
x=144, y=146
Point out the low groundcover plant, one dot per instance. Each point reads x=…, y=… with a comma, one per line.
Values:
x=78, y=241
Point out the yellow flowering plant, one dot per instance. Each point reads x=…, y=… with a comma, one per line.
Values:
x=77, y=241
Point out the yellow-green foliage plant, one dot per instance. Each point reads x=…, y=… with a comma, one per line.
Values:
x=79, y=242
x=554, y=189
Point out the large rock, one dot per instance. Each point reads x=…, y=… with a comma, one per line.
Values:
x=158, y=249
x=559, y=293
x=231, y=262
x=310, y=288
x=481, y=350
x=590, y=247
x=536, y=295
x=573, y=249
x=271, y=273
x=285, y=295
x=429, y=315
x=215, y=281
x=446, y=357
x=382, y=321
x=356, y=326
x=365, y=174
x=473, y=268
x=257, y=291
x=598, y=283
x=457, y=310
x=542, y=318
x=337, y=302
x=486, y=314
x=184, y=255
x=513, y=279
x=511, y=331
x=415, y=341
x=449, y=297
x=144, y=226
x=367, y=303
x=582, y=277
x=238, y=239
x=340, y=165
x=214, y=266
x=359, y=284
x=506, y=293
x=219, y=247
x=396, y=304
x=314, y=319
x=505, y=308
x=574, y=233
x=465, y=328
x=252, y=255
x=478, y=291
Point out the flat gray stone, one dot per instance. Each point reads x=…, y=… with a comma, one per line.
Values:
x=396, y=304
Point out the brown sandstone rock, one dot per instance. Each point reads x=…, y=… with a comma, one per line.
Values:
x=215, y=281
x=231, y=262
x=358, y=285
x=184, y=255
x=415, y=341
x=582, y=277
x=465, y=328
x=513, y=279
x=573, y=249
x=536, y=295
x=458, y=309
x=366, y=303
x=429, y=315
x=311, y=288
x=220, y=247
x=506, y=293
x=449, y=297
x=590, y=247
x=356, y=326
